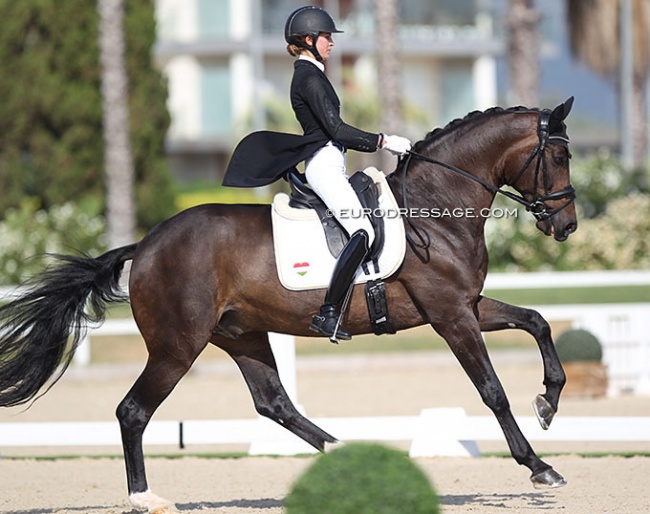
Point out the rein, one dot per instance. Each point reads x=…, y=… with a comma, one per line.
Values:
x=537, y=206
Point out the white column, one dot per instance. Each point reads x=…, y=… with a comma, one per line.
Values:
x=485, y=82
x=184, y=76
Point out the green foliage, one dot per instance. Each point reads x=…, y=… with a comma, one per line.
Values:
x=363, y=479
x=51, y=109
x=149, y=117
x=617, y=239
x=220, y=194
x=578, y=346
x=51, y=144
x=28, y=233
x=613, y=207
x=600, y=178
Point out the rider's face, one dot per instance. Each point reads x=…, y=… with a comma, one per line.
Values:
x=324, y=44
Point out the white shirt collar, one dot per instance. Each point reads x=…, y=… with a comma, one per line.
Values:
x=319, y=65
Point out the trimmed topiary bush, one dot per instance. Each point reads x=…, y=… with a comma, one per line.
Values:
x=363, y=479
x=578, y=346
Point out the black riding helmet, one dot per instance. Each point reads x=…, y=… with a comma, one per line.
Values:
x=308, y=21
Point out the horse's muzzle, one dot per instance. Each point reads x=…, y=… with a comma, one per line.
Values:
x=558, y=228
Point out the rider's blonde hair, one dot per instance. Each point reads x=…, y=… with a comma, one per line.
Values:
x=295, y=50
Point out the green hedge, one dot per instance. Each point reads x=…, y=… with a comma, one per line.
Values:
x=363, y=479
x=578, y=346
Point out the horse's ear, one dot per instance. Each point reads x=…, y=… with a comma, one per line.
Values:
x=559, y=114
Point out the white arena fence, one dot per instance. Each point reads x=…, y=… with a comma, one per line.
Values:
x=623, y=329
x=435, y=432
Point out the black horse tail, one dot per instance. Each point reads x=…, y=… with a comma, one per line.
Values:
x=41, y=329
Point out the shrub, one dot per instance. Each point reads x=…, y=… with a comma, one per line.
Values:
x=363, y=479
x=28, y=233
x=578, y=345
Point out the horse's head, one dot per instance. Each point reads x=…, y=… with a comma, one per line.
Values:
x=541, y=174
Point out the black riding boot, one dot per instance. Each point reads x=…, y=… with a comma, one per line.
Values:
x=345, y=269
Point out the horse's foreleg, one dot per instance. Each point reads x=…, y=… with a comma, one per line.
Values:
x=494, y=315
x=464, y=339
x=252, y=353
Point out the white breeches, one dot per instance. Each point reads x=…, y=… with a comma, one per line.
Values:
x=325, y=172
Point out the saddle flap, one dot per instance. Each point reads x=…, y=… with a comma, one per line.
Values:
x=304, y=197
x=303, y=258
x=368, y=194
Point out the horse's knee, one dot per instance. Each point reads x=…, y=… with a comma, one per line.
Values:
x=538, y=326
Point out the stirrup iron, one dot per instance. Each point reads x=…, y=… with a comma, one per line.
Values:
x=344, y=308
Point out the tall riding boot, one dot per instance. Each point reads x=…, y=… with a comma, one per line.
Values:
x=345, y=270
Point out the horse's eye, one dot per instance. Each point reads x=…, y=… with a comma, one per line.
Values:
x=560, y=161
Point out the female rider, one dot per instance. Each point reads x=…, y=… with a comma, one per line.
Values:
x=308, y=32
x=263, y=157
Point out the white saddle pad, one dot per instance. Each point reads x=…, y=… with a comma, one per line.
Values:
x=301, y=254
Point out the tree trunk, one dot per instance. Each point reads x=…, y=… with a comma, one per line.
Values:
x=119, y=174
x=523, y=52
x=640, y=150
x=388, y=74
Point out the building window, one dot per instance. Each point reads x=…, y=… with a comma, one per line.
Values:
x=213, y=18
x=438, y=12
x=457, y=91
x=216, y=112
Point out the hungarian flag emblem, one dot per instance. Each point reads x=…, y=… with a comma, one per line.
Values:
x=301, y=268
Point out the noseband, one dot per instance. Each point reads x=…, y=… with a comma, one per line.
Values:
x=537, y=206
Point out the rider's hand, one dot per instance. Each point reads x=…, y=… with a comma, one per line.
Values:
x=396, y=145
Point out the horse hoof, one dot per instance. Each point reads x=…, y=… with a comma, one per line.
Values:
x=543, y=411
x=152, y=503
x=330, y=447
x=549, y=479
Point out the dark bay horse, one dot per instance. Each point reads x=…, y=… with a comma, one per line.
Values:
x=208, y=276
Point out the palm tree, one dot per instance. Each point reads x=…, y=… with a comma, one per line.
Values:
x=523, y=52
x=594, y=28
x=388, y=72
x=119, y=174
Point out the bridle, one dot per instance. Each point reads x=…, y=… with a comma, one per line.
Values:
x=537, y=206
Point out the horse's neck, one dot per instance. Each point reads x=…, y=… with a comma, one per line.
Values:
x=478, y=148
x=428, y=185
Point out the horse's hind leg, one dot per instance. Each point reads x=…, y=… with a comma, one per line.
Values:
x=494, y=315
x=159, y=377
x=252, y=353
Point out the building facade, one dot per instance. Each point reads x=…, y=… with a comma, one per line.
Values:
x=229, y=72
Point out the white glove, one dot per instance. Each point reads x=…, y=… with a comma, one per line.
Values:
x=396, y=145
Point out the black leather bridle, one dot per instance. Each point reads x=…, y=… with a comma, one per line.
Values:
x=537, y=206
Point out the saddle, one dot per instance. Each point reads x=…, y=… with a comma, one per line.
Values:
x=303, y=197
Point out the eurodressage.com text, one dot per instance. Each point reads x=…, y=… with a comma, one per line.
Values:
x=458, y=212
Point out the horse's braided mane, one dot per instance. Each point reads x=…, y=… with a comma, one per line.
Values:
x=437, y=132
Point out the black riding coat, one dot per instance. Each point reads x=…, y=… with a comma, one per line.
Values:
x=264, y=157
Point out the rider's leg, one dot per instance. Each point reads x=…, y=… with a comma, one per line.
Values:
x=325, y=322
x=326, y=175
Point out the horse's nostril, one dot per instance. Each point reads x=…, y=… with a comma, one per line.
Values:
x=570, y=228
